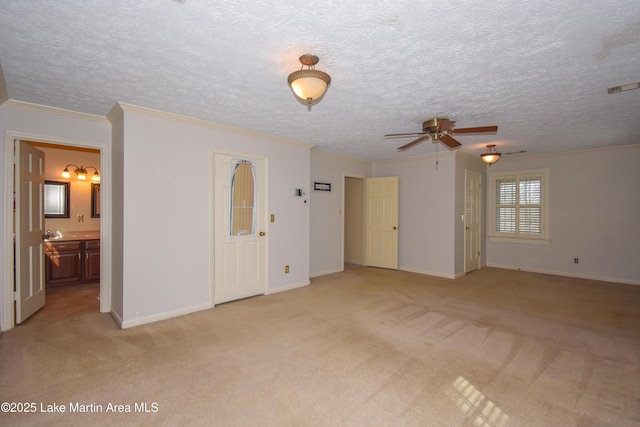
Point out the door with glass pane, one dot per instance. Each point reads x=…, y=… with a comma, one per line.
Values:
x=240, y=227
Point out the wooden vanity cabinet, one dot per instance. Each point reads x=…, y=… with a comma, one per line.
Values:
x=91, y=260
x=63, y=262
x=71, y=262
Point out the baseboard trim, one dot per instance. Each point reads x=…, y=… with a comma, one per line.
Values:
x=568, y=274
x=429, y=273
x=325, y=272
x=116, y=317
x=288, y=287
x=163, y=316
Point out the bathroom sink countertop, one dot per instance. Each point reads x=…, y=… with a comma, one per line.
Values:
x=74, y=235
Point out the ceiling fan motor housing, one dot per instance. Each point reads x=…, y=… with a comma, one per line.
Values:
x=432, y=125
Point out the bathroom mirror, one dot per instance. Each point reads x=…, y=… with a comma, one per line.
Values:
x=95, y=200
x=56, y=199
x=242, y=199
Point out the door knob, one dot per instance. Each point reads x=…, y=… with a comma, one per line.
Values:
x=262, y=233
x=395, y=228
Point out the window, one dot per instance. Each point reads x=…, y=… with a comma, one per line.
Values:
x=243, y=214
x=520, y=204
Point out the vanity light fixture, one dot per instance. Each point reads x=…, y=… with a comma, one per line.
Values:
x=491, y=156
x=309, y=84
x=81, y=172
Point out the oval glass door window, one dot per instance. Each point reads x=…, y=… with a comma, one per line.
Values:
x=243, y=199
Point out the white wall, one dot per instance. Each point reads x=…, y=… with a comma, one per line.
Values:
x=427, y=216
x=117, y=218
x=594, y=208
x=431, y=202
x=167, y=211
x=326, y=207
x=41, y=124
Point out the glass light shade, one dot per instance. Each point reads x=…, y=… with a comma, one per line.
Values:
x=96, y=177
x=66, y=173
x=309, y=84
x=490, y=158
x=308, y=88
x=81, y=176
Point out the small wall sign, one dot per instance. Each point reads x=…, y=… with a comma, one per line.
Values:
x=322, y=186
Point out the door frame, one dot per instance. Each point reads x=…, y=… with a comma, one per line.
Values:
x=7, y=310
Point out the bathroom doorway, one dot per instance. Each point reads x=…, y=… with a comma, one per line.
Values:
x=86, y=222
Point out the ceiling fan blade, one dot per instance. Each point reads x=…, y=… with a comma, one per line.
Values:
x=412, y=143
x=449, y=141
x=445, y=124
x=481, y=129
x=397, y=135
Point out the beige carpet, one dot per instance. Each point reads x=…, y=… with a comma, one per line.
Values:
x=366, y=347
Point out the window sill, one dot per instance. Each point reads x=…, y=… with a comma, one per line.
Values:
x=500, y=239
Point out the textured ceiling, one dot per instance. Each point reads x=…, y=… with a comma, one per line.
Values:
x=538, y=69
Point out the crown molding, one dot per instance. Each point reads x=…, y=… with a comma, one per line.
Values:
x=54, y=110
x=120, y=108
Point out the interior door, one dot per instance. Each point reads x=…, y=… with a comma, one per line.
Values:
x=472, y=215
x=240, y=255
x=381, y=228
x=29, y=226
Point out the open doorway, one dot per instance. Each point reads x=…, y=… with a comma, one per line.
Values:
x=370, y=222
x=354, y=192
x=92, y=222
x=72, y=226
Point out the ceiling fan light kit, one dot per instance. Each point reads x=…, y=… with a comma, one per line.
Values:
x=491, y=156
x=309, y=84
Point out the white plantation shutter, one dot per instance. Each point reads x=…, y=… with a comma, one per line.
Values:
x=530, y=205
x=506, y=205
x=519, y=205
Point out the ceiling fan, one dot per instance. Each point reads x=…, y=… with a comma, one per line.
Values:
x=440, y=129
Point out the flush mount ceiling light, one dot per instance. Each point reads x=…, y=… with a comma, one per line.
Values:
x=491, y=156
x=81, y=172
x=309, y=84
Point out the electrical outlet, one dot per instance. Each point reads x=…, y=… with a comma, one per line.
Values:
x=576, y=260
x=286, y=269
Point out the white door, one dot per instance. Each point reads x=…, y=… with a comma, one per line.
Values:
x=472, y=216
x=29, y=226
x=381, y=228
x=240, y=242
